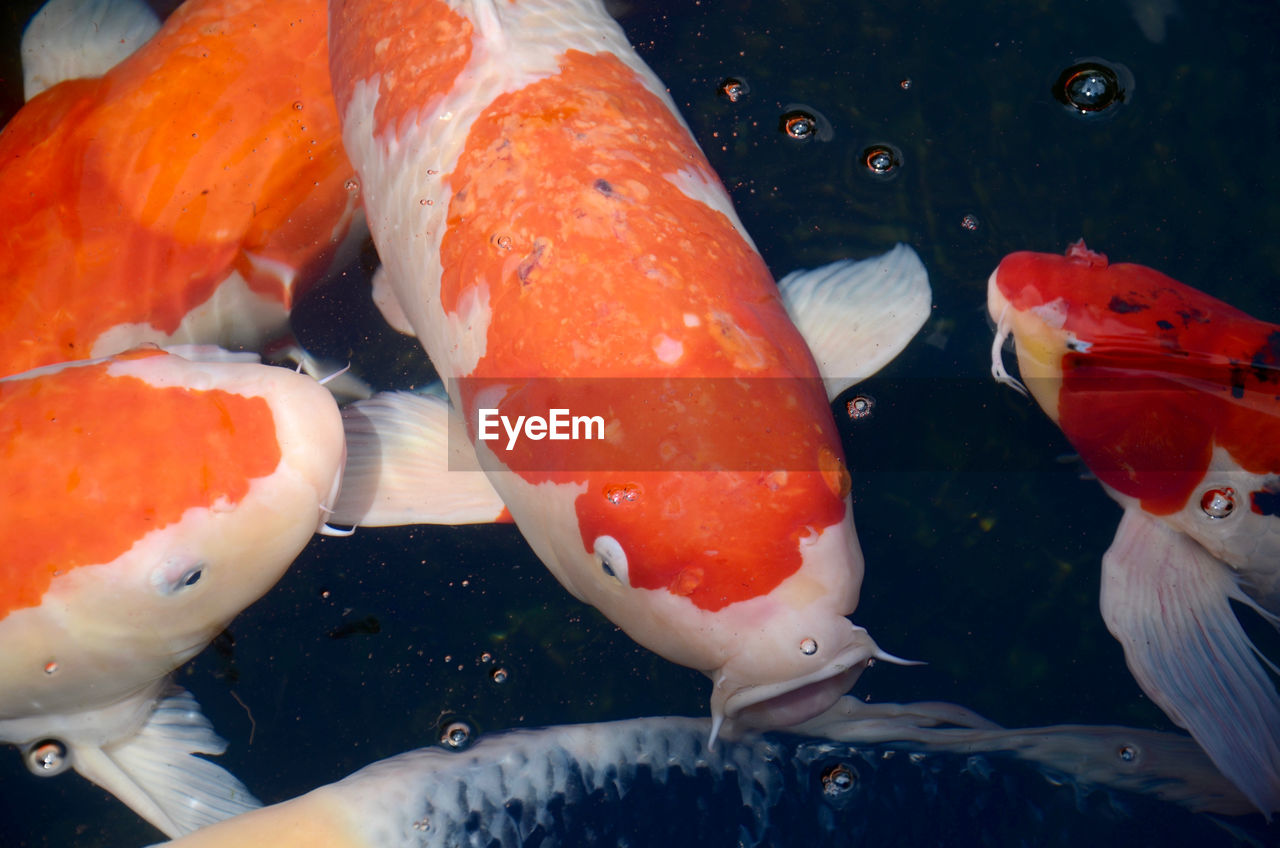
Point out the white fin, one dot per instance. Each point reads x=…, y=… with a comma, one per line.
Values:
x=156, y=773
x=69, y=39
x=384, y=297
x=858, y=315
x=404, y=467
x=1166, y=599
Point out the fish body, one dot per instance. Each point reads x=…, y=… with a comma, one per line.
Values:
x=555, y=238
x=1172, y=398
x=654, y=781
x=147, y=499
x=186, y=194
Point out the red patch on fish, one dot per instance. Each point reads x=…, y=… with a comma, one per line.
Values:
x=1162, y=374
x=77, y=444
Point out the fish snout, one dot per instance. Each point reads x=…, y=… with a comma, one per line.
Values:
x=772, y=683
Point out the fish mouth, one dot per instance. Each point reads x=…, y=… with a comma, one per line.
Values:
x=783, y=703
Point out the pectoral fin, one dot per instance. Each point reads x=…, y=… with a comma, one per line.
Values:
x=158, y=775
x=404, y=467
x=857, y=316
x=1167, y=601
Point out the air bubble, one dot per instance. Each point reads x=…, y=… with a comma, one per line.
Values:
x=860, y=407
x=969, y=222
x=456, y=735
x=351, y=185
x=1127, y=753
x=498, y=675
x=297, y=105
x=1218, y=503
x=905, y=83
x=838, y=780
x=808, y=646
x=881, y=160
x=733, y=89
x=1092, y=86
x=804, y=123
x=51, y=667
x=502, y=242
x=47, y=758
x=622, y=493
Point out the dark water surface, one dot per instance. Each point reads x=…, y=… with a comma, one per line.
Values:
x=982, y=547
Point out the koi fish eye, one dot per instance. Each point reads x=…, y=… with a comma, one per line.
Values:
x=1218, y=503
x=177, y=574
x=46, y=758
x=612, y=559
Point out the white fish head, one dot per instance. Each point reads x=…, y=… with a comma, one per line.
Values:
x=762, y=612
x=150, y=499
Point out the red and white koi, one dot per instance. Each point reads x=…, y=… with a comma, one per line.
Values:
x=1172, y=398
x=554, y=237
x=145, y=500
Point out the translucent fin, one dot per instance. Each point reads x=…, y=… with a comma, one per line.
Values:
x=384, y=297
x=70, y=39
x=1169, y=766
x=858, y=315
x=1166, y=599
x=404, y=468
x=156, y=773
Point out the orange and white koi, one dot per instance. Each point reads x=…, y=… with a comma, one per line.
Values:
x=551, y=232
x=145, y=500
x=1172, y=399
x=186, y=192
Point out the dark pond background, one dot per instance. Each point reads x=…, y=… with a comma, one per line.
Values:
x=982, y=542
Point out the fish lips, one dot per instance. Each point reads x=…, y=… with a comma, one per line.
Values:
x=796, y=699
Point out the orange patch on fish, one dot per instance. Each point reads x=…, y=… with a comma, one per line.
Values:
x=431, y=47
x=92, y=463
x=132, y=197
x=757, y=541
x=568, y=182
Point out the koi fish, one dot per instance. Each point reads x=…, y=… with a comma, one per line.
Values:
x=554, y=237
x=146, y=499
x=834, y=782
x=1172, y=399
x=187, y=192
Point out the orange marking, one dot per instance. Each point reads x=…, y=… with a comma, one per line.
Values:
x=128, y=199
x=563, y=207
x=92, y=463
x=730, y=536
x=431, y=46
